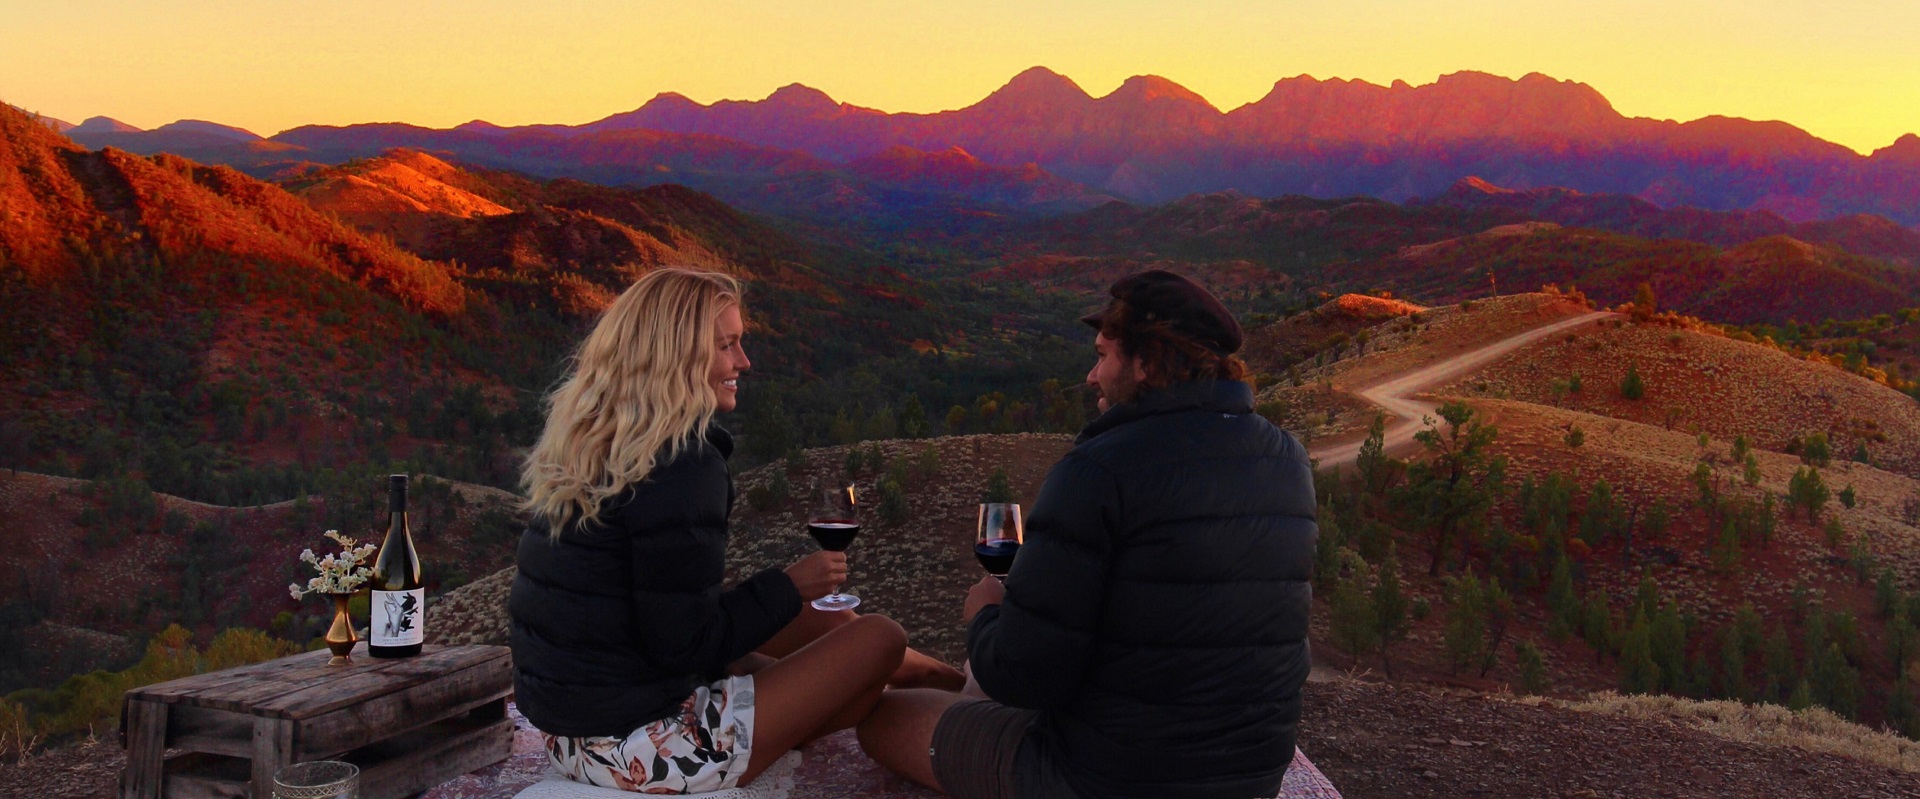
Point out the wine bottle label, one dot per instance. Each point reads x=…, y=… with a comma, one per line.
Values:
x=397, y=618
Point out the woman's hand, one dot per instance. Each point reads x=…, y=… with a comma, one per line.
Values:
x=817, y=574
x=989, y=591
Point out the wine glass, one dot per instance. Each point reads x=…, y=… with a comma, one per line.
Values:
x=999, y=536
x=319, y=779
x=834, y=523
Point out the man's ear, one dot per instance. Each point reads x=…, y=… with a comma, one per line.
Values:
x=1139, y=370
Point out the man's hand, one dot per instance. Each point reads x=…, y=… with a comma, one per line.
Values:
x=988, y=591
x=817, y=574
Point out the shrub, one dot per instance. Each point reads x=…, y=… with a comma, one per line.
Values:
x=1533, y=668
x=893, y=502
x=1807, y=490
x=1633, y=387
x=1576, y=437
x=1352, y=622
x=999, y=487
x=1835, y=532
x=1815, y=451
x=1847, y=496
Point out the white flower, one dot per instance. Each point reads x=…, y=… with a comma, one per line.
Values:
x=339, y=572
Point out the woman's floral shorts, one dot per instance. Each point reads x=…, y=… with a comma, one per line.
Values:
x=702, y=748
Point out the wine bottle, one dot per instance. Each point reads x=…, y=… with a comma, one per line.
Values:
x=397, y=626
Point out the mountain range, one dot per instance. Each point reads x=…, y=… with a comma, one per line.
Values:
x=1152, y=140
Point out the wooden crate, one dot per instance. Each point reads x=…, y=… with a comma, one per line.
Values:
x=409, y=723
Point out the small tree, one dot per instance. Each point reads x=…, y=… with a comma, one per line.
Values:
x=1847, y=497
x=999, y=487
x=1389, y=609
x=1596, y=625
x=1886, y=595
x=1726, y=549
x=1654, y=523
x=1750, y=470
x=1633, y=387
x=1351, y=622
x=1835, y=532
x=1371, y=462
x=1815, y=451
x=1638, y=673
x=1455, y=488
x=1465, y=637
x=1562, y=602
x=1533, y=668
x=1807, y=490
x=1575, y=437
x=1644, y=304
x=893, y=502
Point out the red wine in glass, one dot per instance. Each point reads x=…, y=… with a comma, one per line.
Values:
x=833, y=535
x=834, y=523
x=998, y=537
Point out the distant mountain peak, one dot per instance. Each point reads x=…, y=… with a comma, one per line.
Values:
x=1148, y=88
x=210, y=128
x=103, y=125
x=1037, y=86
x=1474, y=184
x=1904, y=150
x=798, y=96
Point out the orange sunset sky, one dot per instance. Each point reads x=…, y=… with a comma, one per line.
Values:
x=1844, y=70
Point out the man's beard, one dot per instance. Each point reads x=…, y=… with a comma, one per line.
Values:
x=1125, y=388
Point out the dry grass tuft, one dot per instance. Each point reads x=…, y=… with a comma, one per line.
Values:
x=1814, y=729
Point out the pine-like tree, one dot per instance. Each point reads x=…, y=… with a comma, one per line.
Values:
x=1532, y=667
x=1638, y=672
x=1390, y=608
x=1633, y=387
x=1452, y=491
x=1465, y=636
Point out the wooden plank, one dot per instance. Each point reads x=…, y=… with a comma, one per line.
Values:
x=206, y=729
x=397, y=712
x=272, y=748
x=270, y=670
x=429, y=756
x=244, y=698
x=146, y=750
x=361, y=686
x=201, y=776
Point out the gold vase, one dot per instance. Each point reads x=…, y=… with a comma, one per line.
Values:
x=340, y=637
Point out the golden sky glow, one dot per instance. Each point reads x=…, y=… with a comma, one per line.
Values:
x=1844, y=70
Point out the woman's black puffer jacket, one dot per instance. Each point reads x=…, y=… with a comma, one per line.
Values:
x=613, y=625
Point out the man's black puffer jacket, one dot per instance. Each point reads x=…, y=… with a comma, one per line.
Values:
x=613, y=625
x=1157, y=615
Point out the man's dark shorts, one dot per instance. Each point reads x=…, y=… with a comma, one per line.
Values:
x=975, y=746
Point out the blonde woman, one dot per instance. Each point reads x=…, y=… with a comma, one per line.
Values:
x=643, y=673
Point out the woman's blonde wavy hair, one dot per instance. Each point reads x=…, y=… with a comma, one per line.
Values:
x=636, y=397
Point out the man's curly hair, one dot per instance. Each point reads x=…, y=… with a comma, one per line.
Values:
x=1167, y=357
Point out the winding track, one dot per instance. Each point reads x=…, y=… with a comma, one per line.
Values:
x=1405, y=413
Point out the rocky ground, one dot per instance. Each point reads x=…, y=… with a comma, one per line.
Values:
x=1384, y=741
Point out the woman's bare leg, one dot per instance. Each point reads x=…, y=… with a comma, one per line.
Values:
x=898, y=733
x=836, y=679
x=916, y=670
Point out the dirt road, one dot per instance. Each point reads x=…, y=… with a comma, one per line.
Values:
x=1404, y=413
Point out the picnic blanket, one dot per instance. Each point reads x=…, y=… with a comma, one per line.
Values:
x=830, y=768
